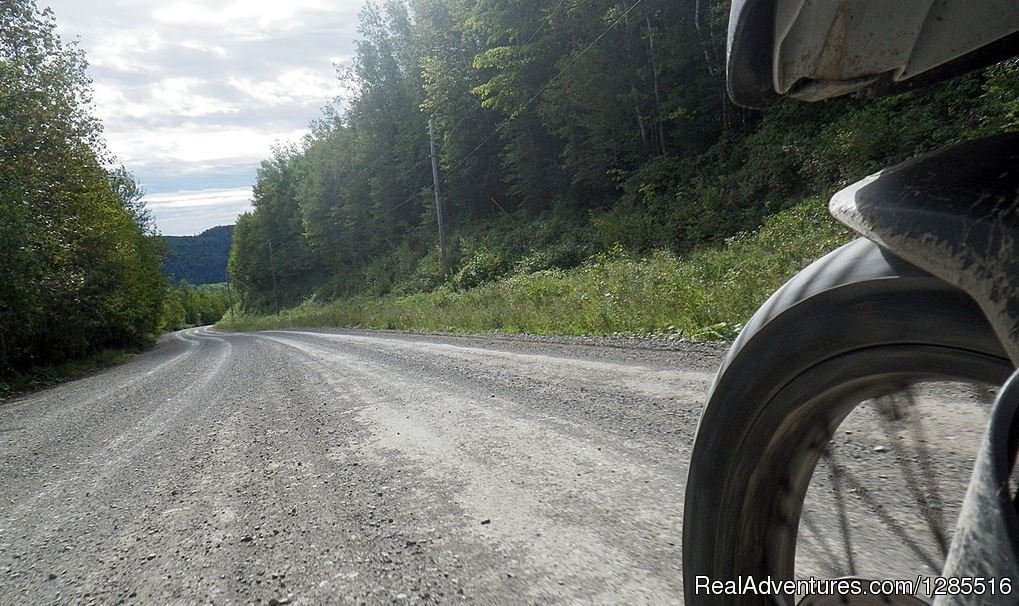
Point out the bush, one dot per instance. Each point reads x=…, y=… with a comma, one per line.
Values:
x=481, y=266
x=708, y=294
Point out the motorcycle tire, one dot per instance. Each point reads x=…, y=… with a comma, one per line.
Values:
x=854, y=325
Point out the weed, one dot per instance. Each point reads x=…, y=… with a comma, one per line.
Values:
x=708, y=294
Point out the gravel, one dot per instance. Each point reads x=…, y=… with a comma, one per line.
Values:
x=303, y=467
x=380, y=467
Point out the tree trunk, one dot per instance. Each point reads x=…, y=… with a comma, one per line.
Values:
x=654, y=76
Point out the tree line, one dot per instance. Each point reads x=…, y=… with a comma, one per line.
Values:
x=562, y=128
x=538, y=108
x=80, y=270
x=187, y=305
x=199, y=259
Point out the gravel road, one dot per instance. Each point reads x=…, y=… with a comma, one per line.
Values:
x=330, y=467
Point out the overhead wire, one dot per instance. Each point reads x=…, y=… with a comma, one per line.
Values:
x=544, y=21
x=544, y=87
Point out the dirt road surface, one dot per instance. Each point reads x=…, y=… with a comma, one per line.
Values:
x=312, y=467
x=329, y=467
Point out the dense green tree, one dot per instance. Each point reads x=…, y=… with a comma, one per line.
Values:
x=560, y=128
x=271, y=260
x=188, y=305
x=81, y=264
x=468, y=149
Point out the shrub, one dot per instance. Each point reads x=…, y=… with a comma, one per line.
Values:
x=481, y=266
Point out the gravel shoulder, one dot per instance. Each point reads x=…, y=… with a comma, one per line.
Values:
x=355, y=467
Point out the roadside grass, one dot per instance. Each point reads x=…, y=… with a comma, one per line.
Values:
x=46, y=376
x=706, y=295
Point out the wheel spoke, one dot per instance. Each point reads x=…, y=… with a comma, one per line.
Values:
x=893, y=411
x=933, y=507
x=835, y=471
x=817, y=536
x=886, y=518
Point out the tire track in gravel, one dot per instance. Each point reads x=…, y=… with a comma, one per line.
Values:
x=578, y=513
x=333, y=468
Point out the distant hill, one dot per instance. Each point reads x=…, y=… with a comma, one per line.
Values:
x=199, y=259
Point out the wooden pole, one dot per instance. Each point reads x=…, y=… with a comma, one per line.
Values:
x=272, y=270
x=438, y=199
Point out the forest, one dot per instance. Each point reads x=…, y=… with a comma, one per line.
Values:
x=81, y=257
x=80, y=270
x=199, y=259
x=563, y=131
x=587, y=157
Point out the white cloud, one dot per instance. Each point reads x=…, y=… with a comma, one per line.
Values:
x=193, y=94
x=204, y=197
x=194, y=146
x=263, y=14
x=299, y=85
x=177, y=96
x=206, y=48
x=186, y=213
x=125, y=51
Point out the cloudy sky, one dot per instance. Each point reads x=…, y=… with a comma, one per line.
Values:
x=194, y=93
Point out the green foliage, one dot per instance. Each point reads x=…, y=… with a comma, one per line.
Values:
x=796, y=150
x=189, y=305
x=199, y=259
x=1001, y=95
x=80, y=260
x=39, y=377
x=562, y=130
x=709, y=294
x=481, y=266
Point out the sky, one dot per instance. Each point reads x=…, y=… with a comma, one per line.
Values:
x=193, y=94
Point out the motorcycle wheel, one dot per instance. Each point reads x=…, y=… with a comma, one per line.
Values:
x=856, y=325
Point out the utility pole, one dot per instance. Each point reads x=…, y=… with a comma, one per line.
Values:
x=272, y=270
x=438, y=199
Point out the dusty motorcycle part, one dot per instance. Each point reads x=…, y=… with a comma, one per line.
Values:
x=818, y=50
x=986, y=540
x=865, y=319
x=857, y=324
x=955, y=214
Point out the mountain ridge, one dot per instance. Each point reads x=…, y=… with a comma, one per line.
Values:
x=199, y=259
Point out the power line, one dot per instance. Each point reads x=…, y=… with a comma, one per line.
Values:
x=416, y=196
x=577, y=58
x=498, y=128
x=355, y=176
x=545, y=21
x=544, y=87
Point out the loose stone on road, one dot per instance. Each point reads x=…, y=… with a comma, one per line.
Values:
x=308, y=467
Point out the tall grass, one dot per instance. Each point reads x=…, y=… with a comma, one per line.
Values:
x=708, y=294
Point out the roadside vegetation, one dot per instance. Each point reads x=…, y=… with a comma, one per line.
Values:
x=183, y=306
x=594, y=176
x=708, y=294
x=188, y=305
x=79, y=260
x=80, y=280
x=38, y=377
